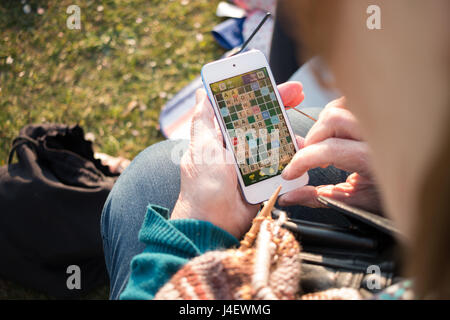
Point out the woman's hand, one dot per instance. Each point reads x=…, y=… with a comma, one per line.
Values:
x=335, y=139
x=209, y=185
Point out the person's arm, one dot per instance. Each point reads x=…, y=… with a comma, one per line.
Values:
x=169, y=245
x=210, y=212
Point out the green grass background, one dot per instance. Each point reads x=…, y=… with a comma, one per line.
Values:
x=112, y=77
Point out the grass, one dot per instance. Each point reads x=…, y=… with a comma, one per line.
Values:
x=112, y=77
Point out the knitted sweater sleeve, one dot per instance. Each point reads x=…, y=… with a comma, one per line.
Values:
x=169, y=245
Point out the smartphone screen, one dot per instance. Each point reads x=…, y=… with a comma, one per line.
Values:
x=251, y=113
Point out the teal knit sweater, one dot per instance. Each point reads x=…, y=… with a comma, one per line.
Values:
x=169, y=245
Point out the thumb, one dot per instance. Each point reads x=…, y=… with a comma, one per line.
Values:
x=203, y=118
x=203, y=106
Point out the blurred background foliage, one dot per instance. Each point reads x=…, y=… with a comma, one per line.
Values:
x=112, y=77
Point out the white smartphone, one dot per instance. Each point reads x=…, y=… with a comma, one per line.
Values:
x=254, y=123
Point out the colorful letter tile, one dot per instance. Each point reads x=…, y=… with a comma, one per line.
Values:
x=256, y=109
x=224, y=112
x=265, y=115
x=275, y=120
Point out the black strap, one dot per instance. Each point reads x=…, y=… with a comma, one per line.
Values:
x=20, y=140
x=383, y=224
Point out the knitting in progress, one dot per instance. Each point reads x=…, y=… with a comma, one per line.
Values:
x=267, y=266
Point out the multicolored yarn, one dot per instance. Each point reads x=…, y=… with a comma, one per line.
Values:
x=399, y=291
x=270, y=269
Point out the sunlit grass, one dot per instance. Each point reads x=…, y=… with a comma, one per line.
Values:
x=112, y=77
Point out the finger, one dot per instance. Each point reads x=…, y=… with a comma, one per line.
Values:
x=203, y=107
x=218, y=130
x=300, y=141
x=308, y=196
x=346, y=193
x=344, y=154
x=291, y=93
x=203, y=119
x=333, y=191
x=345, y=187
x=334, y=122
x=305, y=196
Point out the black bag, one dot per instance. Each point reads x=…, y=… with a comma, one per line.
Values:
x=359, y=255
x=50, y=207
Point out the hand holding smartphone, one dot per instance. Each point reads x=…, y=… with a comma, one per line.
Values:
x=253, y=121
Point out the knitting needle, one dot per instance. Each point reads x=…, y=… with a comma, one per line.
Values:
x=264, y=214
x=306, y=115
x=268, y=206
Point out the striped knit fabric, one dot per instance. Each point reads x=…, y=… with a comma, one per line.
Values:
x=269, y=270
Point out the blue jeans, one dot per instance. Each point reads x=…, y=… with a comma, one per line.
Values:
x=153, y=178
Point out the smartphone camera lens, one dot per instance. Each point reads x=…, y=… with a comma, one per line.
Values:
x=234, y=65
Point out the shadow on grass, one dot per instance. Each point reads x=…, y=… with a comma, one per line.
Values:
x=13, y=15
x=13, y=291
